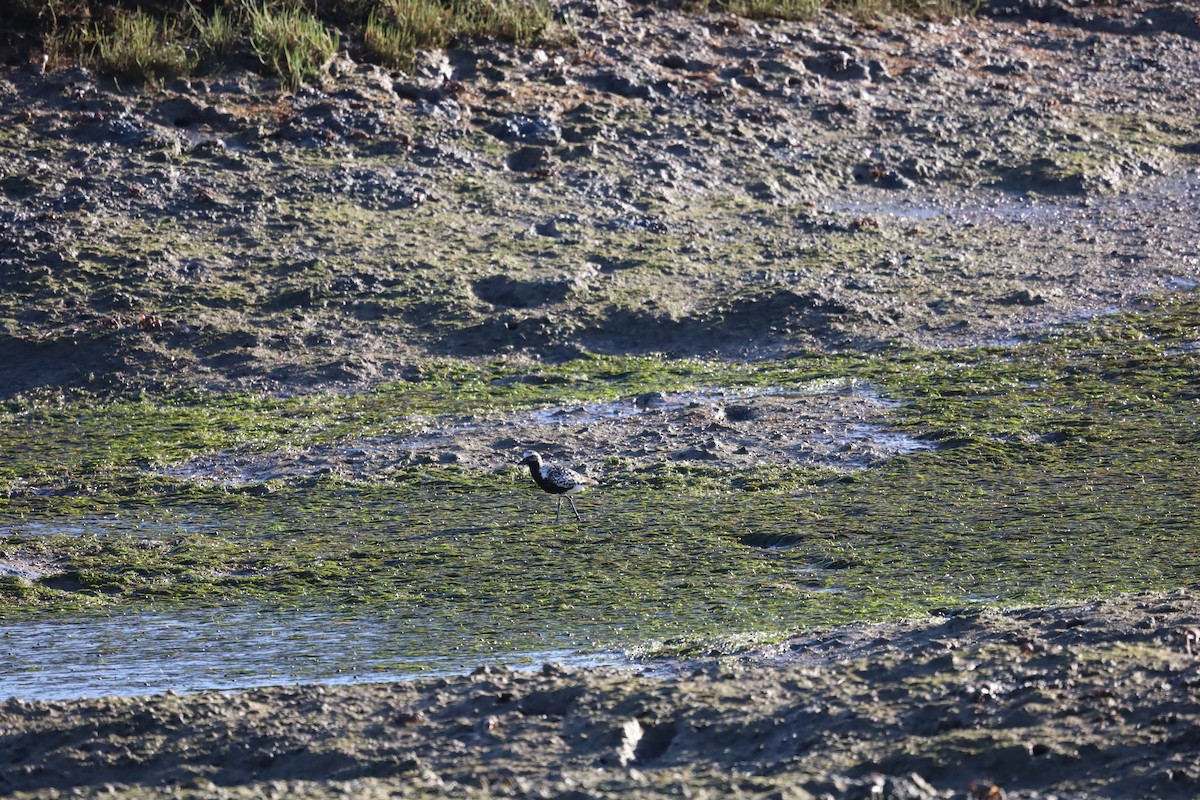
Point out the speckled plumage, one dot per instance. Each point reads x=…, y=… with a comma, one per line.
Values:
x=556, y=480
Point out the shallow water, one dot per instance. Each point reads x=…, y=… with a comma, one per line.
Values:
x=1173, y=195
x=435, y=577
x=1059, y=473
x=239, y=648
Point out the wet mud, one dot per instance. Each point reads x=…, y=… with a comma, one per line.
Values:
x=1074, y=701
x=836, y=424
x=677, y=184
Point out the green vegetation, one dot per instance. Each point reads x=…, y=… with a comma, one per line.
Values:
x=1064, y=469
x=215, y=36
x=396, y=30
x=394, y=36
x=139, y=46
x=294, y=39
x=290, y=41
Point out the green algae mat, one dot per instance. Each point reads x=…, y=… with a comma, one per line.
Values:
x=1057, y=468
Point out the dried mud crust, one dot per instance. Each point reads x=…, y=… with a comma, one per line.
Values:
x=691, y=184
x=1077, y=701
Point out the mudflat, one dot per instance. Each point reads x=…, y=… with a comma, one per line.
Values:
x=856, y=230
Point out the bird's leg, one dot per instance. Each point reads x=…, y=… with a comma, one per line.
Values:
x=571, y=500
x=558, y=510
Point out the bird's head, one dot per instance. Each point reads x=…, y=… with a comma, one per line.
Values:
x=531, y=458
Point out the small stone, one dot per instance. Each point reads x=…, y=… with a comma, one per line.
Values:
x=650, y=400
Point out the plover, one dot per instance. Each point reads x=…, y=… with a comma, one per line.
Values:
x=557, y=480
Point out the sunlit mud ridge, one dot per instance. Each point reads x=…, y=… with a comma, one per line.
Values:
x=1072, y=701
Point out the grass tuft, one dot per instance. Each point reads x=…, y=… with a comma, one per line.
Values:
x=215, y=36
x=141, y=47
x=295, y=39
x=290, y=41
x=396, y=30
x=774, y=9
x=522, y=22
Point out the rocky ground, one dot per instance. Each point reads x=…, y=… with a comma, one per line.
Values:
x=678, y=183
x=839, y=425
x=1084, y=701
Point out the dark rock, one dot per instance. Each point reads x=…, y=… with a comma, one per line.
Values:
x=492, y=73
x=779, y=315
x=548, y=228
x=647, y=400
x=73, y=200
x=619, y=84
x=1037, y=10
x=185, y=112
x=123, y=129
x=695, y=454
x=303, y=297
x=415, y=91
x=739, y=413
x=838, y=65
x=1047, y=176
x=1021, y=297
x=528, y=159
x=504, y=292
x=1008, y=67
x=577, y=134
x=764, y=190
x=878, y=71
x=18, y=187
x=550, y=702
x=530, y=130
x=880, y=175
x=665, y=88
